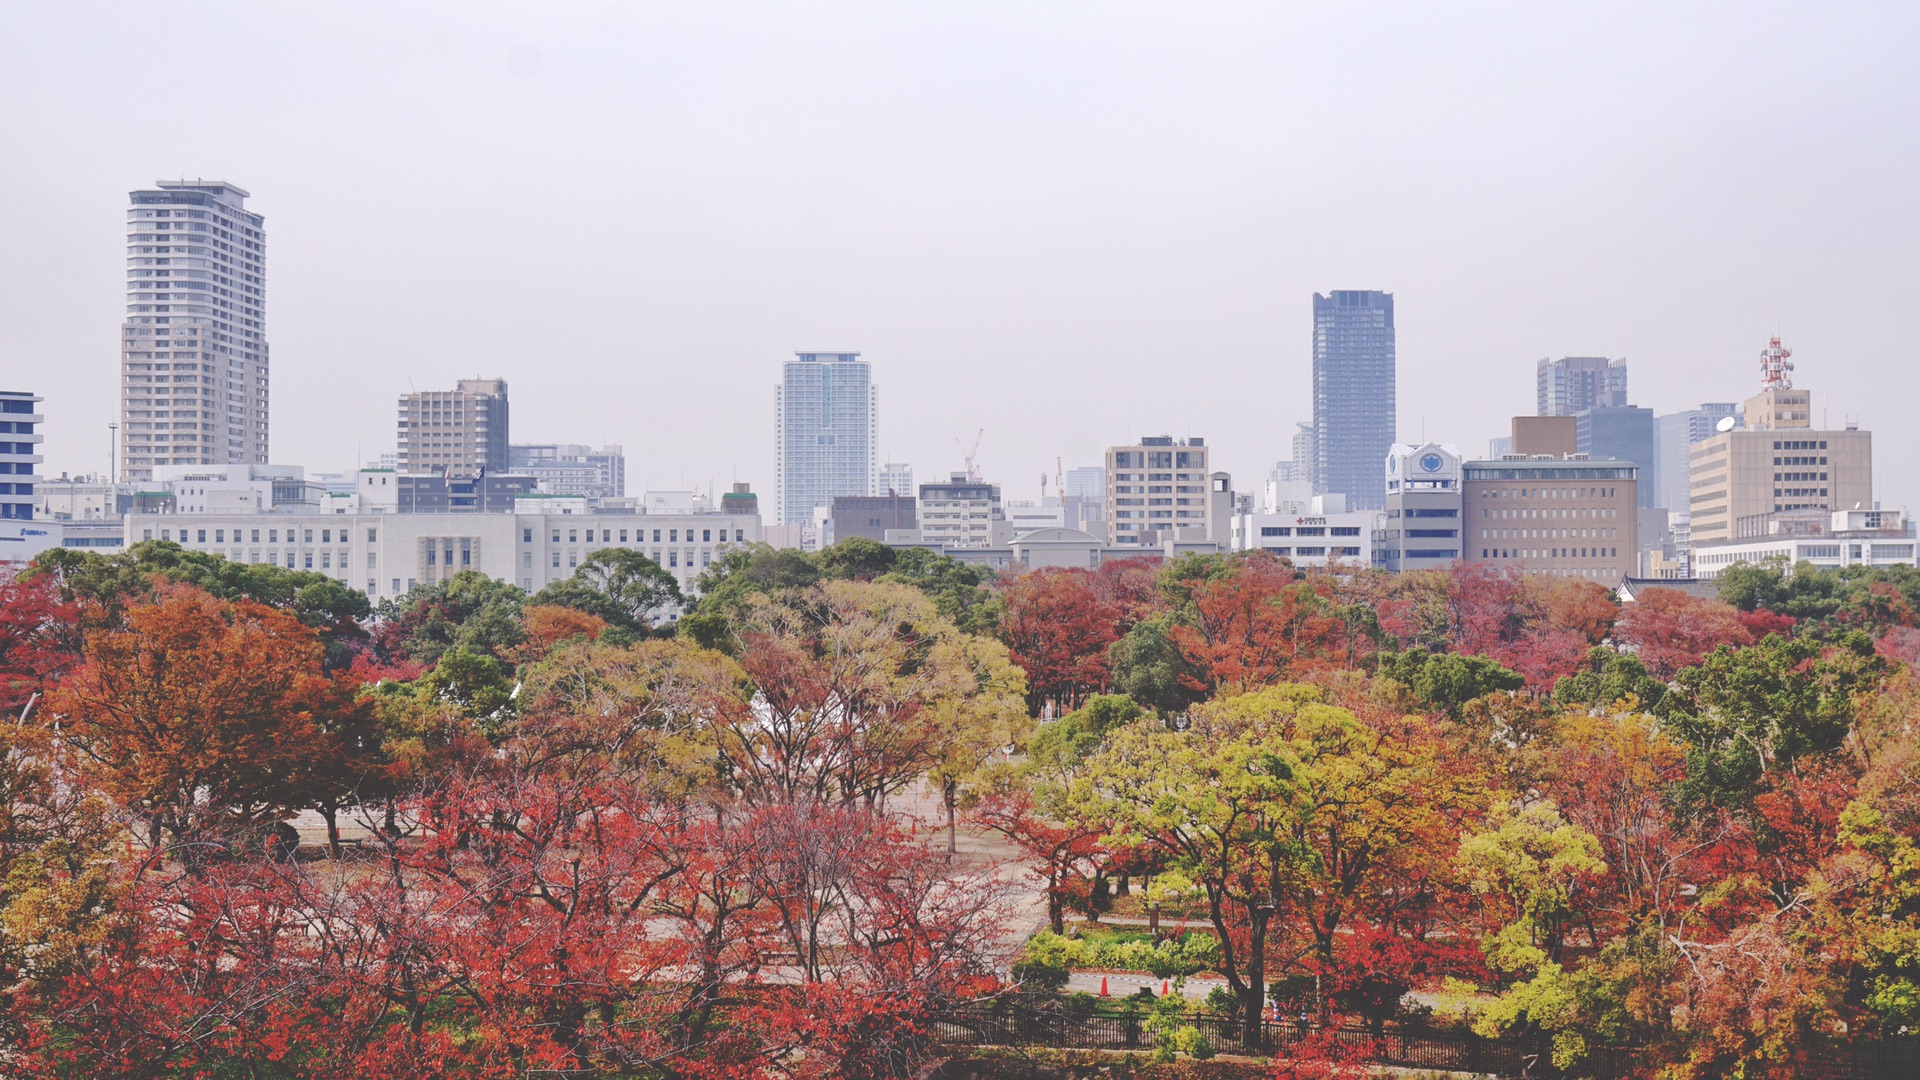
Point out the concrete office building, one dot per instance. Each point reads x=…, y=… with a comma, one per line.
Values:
x=387, y=554
x=1620, y=433
x=460, y=432
x=1574, y=384
x=1320, y=534
x=1674, y=434
x=895, y=477
x=870, y=516
x=825, y=434
x=572, y=469
x=1354, y=419
x=1823, y=539
x=1568, y=517
x=1780, y=462
x=1157, y=488
x=960, y=512
x=193, y=348
x=1420, y=529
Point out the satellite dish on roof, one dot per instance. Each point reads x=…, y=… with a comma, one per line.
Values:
x=1726, y=424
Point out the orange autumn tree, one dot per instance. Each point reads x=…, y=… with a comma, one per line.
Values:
x=201, y=712
x=1247, y=622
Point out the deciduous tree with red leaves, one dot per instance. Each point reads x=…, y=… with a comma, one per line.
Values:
x=1669, y=629
x=1057, y=628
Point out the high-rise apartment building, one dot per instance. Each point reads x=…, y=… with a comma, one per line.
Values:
x=193, y=349
x=1354, y=419
x=825, y=433
x=1154, y=488
x=19, y=454
x=460, y=432
x=1574, y=384
x=572, y=469
x=895, y=478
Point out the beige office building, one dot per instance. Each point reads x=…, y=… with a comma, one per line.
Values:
x=1554, y=517
x=1155, y=487
x=460, y=432
x=1779, y=463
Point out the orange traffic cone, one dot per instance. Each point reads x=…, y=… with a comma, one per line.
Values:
x=1103, y=986
x=1164, y=984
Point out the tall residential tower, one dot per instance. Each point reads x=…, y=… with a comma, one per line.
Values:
x=1353, y=394
x=826, y=415
x=193, y=349
x=460, y=432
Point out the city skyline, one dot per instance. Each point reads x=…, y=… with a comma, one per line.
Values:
x=874, y=249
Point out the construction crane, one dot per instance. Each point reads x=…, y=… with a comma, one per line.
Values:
x=972, y=456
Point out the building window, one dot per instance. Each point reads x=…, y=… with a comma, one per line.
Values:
x=373, y=536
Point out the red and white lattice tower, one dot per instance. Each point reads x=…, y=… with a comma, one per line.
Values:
x=1774, y=366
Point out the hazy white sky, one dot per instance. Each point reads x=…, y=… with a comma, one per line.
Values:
x=1068, y=224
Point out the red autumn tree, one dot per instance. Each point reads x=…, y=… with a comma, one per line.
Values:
x=1669, y=629
x=1057, y=628
x=35, y=639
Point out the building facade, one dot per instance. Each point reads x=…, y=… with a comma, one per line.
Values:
x=1825, y=541
x=385, y=554
x=571, y=468
x=1567, y=518
x=825, y=433
x=1620, y=433
x=1315, y=534
x=1674, y=433
x=960, y=512
x=895, y=477
x=1155, y=488
x=1354, y=402
x=20, y=458
x=459, y=432
x=1574, y=384
x=1420, y=529
x=193, y=349
x=1744, y=474
x=870, y=516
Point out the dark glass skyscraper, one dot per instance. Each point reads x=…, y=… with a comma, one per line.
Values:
x=1353, y=395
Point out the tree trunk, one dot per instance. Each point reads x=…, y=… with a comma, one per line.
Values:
x=1256, y=995
x=950, y=791
x=332, y=815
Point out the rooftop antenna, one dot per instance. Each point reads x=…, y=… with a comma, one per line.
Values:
x=1775, y=365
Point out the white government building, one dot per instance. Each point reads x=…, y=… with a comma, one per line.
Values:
x=366, y=543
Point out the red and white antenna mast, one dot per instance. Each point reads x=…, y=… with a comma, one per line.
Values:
x=1774, y=366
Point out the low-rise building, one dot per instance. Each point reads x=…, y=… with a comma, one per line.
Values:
x=1319, y=531
x=870, y=516
x=1825, y=540
x=572, y=468
x=387, y=554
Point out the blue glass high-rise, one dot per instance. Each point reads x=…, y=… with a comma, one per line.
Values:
x=825, y=438
x=1354, y=416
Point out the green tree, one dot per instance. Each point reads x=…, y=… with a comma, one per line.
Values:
x=1445, y=681
x=469, y=610
x=1745, y=712
x=1606, y=677
x=1147, y=666
x=620, y=585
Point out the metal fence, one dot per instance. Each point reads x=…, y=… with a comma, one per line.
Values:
x=1018, y=1023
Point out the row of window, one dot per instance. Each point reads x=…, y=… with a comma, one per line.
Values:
x=273, y=535
x=1550, y=553
x=1316, y=552
x=1309, y=530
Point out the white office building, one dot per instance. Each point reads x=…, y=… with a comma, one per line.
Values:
x=386, y=554
x=1314, y=534
x=21, y=536
x=1822, y=539
x=193, y=349
x=826, y=420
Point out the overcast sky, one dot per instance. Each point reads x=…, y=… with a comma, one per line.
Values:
x=1067, y=224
